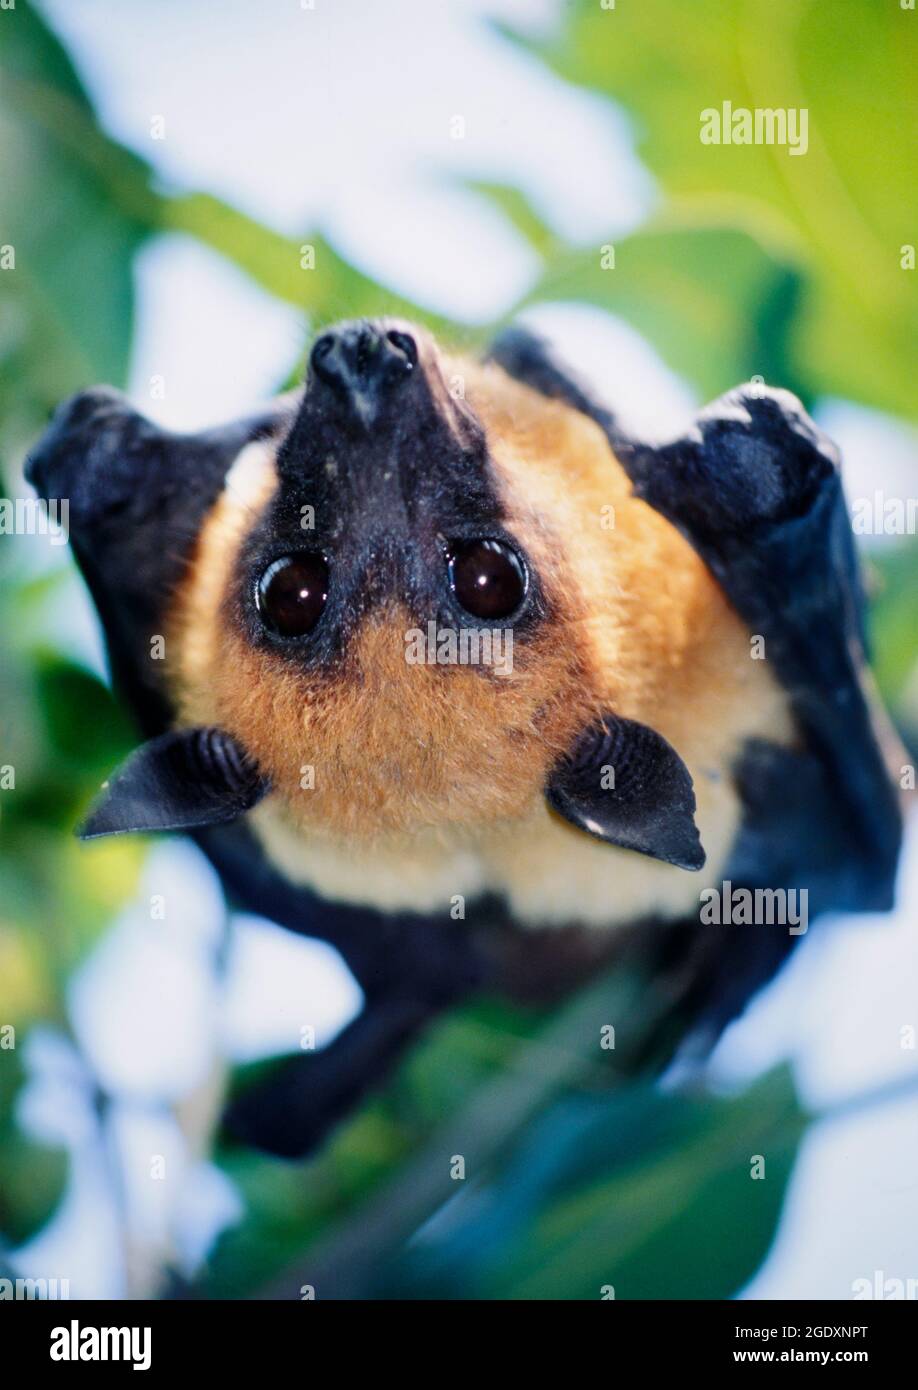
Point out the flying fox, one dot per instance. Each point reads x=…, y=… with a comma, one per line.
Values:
x=688, y=703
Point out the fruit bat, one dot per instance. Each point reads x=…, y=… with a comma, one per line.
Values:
x=687, y=702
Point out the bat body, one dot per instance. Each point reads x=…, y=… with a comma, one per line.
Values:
x=462, y=679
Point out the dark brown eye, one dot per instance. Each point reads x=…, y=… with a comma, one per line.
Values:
x=487, y=577
x=291, y=593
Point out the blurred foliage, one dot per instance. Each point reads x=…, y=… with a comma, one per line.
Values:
x=578, y=1173
x=838, y=215
x=66, y=308
x=581, y=1173
x=644, y=1190
x=670, y=283
x=32, y=1176
x=894, y=622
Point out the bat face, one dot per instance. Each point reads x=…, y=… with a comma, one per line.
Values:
x=374, y=614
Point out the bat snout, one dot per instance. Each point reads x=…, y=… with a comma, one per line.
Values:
x=364, y=365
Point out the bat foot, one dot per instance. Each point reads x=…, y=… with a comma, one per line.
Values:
x=292, y=1112
x=752, y=460
x=79, y=457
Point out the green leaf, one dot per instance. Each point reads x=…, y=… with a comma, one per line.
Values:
x=517, y=208
x=715, y=302
x=892, y=626
x=841, y=212
x=306, y=272
x=647, y=1191
x=66, y=304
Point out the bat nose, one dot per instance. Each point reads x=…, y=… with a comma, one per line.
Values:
x=364, y=364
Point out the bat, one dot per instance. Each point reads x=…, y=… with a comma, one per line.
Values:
x=437, y=663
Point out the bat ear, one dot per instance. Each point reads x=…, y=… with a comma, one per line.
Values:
x=183, y=780
x=623, y=783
